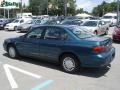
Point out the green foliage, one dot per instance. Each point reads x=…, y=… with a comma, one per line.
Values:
x=100, y=10
x=38, y=7
x=80, y=11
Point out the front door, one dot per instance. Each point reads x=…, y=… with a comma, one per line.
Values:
x=30, y=46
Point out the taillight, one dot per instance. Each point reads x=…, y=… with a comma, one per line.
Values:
x=99, y=49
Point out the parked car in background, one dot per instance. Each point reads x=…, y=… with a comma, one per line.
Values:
x=4, y=22
x=72, y=17
x=116, y=34
x=26, y=26
x=71, y=22
x=50, y=22
x=110, y=18
x=13, y=25
x=70, y=46
x=97, y=27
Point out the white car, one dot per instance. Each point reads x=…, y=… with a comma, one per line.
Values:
x=15, y=24
x=110, y=18
x=97, y=27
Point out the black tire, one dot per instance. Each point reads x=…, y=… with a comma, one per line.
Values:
x=96, y=33
x=75, y=61
x=15, y=28
x=10, y=50
x=106, y=33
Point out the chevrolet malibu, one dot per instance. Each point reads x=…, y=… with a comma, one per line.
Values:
x=70, y=46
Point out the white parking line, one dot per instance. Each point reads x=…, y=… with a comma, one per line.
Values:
x=10, y=76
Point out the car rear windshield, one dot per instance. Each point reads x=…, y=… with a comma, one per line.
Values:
x=81, y=32
x=90, y=23
x=107, y=17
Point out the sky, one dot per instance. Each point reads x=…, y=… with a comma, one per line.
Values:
x=88, y=5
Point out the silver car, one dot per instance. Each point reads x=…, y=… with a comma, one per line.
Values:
x=26, y=26
x=97, y=27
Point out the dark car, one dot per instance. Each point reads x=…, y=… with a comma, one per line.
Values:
x=72, y=22
x=72, y=17
x=70, y=46
x=116, y=34
x=4, y=22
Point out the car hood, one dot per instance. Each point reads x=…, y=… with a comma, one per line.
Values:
x=13, y=24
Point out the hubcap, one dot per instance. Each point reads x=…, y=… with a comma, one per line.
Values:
x=69, y=64
x=12, y=52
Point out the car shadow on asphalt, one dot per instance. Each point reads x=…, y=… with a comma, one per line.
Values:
x=88, y=72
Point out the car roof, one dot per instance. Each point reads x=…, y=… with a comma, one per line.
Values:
x=60, y=26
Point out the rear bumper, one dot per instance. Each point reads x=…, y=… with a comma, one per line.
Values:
x=100, y=60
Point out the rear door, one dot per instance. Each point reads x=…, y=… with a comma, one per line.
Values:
x=50, y=46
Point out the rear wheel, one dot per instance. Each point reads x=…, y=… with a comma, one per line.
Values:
x=70, y=63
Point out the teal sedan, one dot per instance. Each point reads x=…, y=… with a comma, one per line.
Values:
x=70, y=46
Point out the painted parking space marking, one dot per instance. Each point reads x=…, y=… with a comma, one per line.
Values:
x=10, y=76
x=42, y=85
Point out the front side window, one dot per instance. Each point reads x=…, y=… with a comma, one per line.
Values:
x=38, y=22
x=35, y=34
x=16, y=21
x=21, y=21
x=54, y=34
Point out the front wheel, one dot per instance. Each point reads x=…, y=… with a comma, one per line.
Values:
x=106, y=32
x=15, y=28
x=12, y=52
x=96, y=33
x=70, y=63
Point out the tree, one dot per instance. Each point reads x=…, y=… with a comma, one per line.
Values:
x=105, y=7
x=38, y=7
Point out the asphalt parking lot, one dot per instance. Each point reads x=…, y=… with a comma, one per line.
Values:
x=31, y=74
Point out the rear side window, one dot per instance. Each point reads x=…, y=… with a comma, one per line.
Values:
x=54, y=34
